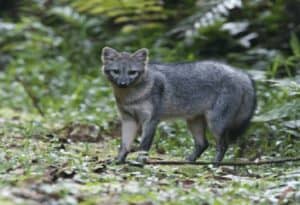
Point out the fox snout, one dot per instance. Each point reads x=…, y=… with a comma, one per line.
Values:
x=123, y=84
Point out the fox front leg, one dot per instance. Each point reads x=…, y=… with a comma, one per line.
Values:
x=148, y=132
x=129, y=131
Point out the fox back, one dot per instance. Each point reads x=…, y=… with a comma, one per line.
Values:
x=194, y=88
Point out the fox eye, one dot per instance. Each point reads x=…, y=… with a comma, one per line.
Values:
x=115, y=72
x=132, y=72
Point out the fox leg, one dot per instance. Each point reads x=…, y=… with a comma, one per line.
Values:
x=222, y=116
x=148, y=132
x=218, y=131
x=219, y=120
x=222, y=147
x=197, y=129
x=218, y=123
x=129, y=131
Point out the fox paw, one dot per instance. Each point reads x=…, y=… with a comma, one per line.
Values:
x=120, y=159
x=191, y=158
x=142, y=157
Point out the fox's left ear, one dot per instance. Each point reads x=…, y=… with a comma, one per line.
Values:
x=141, y=55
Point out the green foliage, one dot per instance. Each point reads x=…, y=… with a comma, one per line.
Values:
x=208, y=14
x=129, y=13
x=286, y=66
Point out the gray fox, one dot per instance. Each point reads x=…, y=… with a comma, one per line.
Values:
x=205, y=94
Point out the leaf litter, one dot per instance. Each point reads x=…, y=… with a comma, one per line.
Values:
x=59, y=170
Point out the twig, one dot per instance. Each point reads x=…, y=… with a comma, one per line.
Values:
x=33, y=98
x=245, y=163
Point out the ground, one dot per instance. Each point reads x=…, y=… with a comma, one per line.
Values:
x=67, y=166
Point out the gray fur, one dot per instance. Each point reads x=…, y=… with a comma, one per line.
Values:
x=205, y=93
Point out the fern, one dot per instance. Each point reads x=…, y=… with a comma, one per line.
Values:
x=121, y=11
x=208, y=15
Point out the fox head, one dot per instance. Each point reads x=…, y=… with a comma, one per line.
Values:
x=124, y=69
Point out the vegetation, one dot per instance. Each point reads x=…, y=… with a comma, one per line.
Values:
x=58, y=122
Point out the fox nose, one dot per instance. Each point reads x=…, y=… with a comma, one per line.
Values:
x=123, y=84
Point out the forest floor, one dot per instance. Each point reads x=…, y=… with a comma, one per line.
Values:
x=62, y=167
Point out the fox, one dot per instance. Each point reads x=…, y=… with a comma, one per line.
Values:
x=206, y=94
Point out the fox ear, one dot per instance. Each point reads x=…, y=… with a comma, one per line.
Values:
x=141, y=55
x=109, y=54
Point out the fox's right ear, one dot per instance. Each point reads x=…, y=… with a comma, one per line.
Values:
x=109, y=54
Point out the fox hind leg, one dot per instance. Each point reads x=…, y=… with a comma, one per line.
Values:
x=222, y=146
x=197, y=129
x=218, y=130
x=219, y=121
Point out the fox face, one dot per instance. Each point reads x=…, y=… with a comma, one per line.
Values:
x=124, y=69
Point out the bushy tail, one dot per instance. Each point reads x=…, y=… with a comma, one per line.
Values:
x=237, y=131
